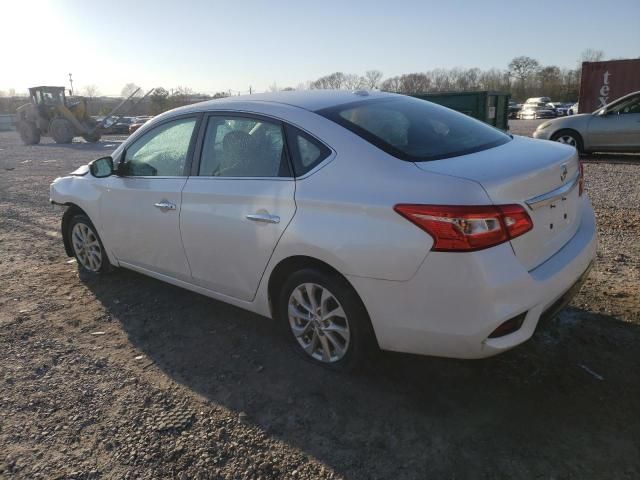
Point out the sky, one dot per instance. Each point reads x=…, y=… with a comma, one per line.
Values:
x=212, y=46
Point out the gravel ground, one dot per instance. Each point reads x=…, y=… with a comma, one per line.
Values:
x=126, y=377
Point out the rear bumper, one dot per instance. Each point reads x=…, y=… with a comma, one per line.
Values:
x=455, y=300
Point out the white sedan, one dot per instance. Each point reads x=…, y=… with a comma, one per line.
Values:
x=357, y=220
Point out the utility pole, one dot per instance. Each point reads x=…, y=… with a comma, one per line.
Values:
x=71, y=82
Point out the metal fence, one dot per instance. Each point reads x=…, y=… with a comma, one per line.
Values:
x=7, y=122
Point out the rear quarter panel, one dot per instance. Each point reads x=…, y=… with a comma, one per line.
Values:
x=345, y=213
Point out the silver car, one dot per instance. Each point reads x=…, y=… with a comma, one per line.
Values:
x=613, y=128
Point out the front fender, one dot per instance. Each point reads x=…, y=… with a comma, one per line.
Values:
x=79, y=194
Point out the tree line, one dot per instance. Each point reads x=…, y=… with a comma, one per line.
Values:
x=524, y=77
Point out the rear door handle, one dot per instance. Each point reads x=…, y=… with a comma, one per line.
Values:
x=165, y=205
x=263, y=217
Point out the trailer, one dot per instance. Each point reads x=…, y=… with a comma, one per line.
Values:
x=603, y=82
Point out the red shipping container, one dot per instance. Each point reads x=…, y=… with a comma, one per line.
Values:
x=604, y=82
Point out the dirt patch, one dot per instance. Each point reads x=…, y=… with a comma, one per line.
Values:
x=123, y=376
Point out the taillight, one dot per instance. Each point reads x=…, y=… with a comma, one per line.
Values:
x=456, y=228
x=581, y=180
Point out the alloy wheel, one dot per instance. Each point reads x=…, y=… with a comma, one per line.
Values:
x=319, y=323
x=87, y=247
x=567, y=140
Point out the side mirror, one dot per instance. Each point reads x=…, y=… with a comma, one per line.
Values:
x=102, y=167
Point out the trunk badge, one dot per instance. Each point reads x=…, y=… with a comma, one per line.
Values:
x=564, y=173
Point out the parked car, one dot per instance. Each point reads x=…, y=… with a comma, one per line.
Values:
x=533, y=111
x=120, y=127
x=537, y=100
x=513, y=109
x=137, y=123
x=560, y=108
x=615, y=127
x=573, y=109
x=273, y=203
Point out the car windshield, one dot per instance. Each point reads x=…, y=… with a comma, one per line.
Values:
x=415, y=130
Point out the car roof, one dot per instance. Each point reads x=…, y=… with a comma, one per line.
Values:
x=311, y=100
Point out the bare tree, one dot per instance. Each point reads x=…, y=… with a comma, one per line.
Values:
x=91, y=91
x=591, y=55
x=549, y=78
x=334, y=81
x=522, y=68
x=353, y=81
x=391, y=84
x=372, y=79
x=440, y=80
x=414, y=83
x=128, y=89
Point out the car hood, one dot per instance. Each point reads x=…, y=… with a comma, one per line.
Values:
x=80, y=171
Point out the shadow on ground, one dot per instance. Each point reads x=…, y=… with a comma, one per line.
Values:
x=539, y=410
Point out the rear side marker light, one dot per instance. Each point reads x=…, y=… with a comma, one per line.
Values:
x=510, y=326
x=464, y=228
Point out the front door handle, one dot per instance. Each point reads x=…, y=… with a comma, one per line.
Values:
x=165, y=205
x=264, y=217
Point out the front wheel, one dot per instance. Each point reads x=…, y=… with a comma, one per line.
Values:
x=325, y=320
x=61, y=130
x=569, y=137
x=87, y=246
x=91, y=137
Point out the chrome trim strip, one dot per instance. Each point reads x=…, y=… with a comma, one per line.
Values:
x=550, y=197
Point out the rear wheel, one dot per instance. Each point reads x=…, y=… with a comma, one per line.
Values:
x=61, y=130
x=569, y=137
x=325, y=320
x=29, y=133
x=87, y=246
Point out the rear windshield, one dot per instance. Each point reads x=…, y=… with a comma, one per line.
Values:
x=415, y=130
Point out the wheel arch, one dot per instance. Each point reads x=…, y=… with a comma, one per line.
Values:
x=573, y=131
x=289, y=265
x=71, y=211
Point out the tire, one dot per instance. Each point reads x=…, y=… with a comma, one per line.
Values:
x=86, y=246
x=29, y=133
x=343, y=341
x=61, y=130
x=569, y=137
x=91, y=137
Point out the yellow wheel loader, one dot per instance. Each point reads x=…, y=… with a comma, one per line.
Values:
x=49, y=114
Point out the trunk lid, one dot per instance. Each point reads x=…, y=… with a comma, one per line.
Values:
x=539, y=175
